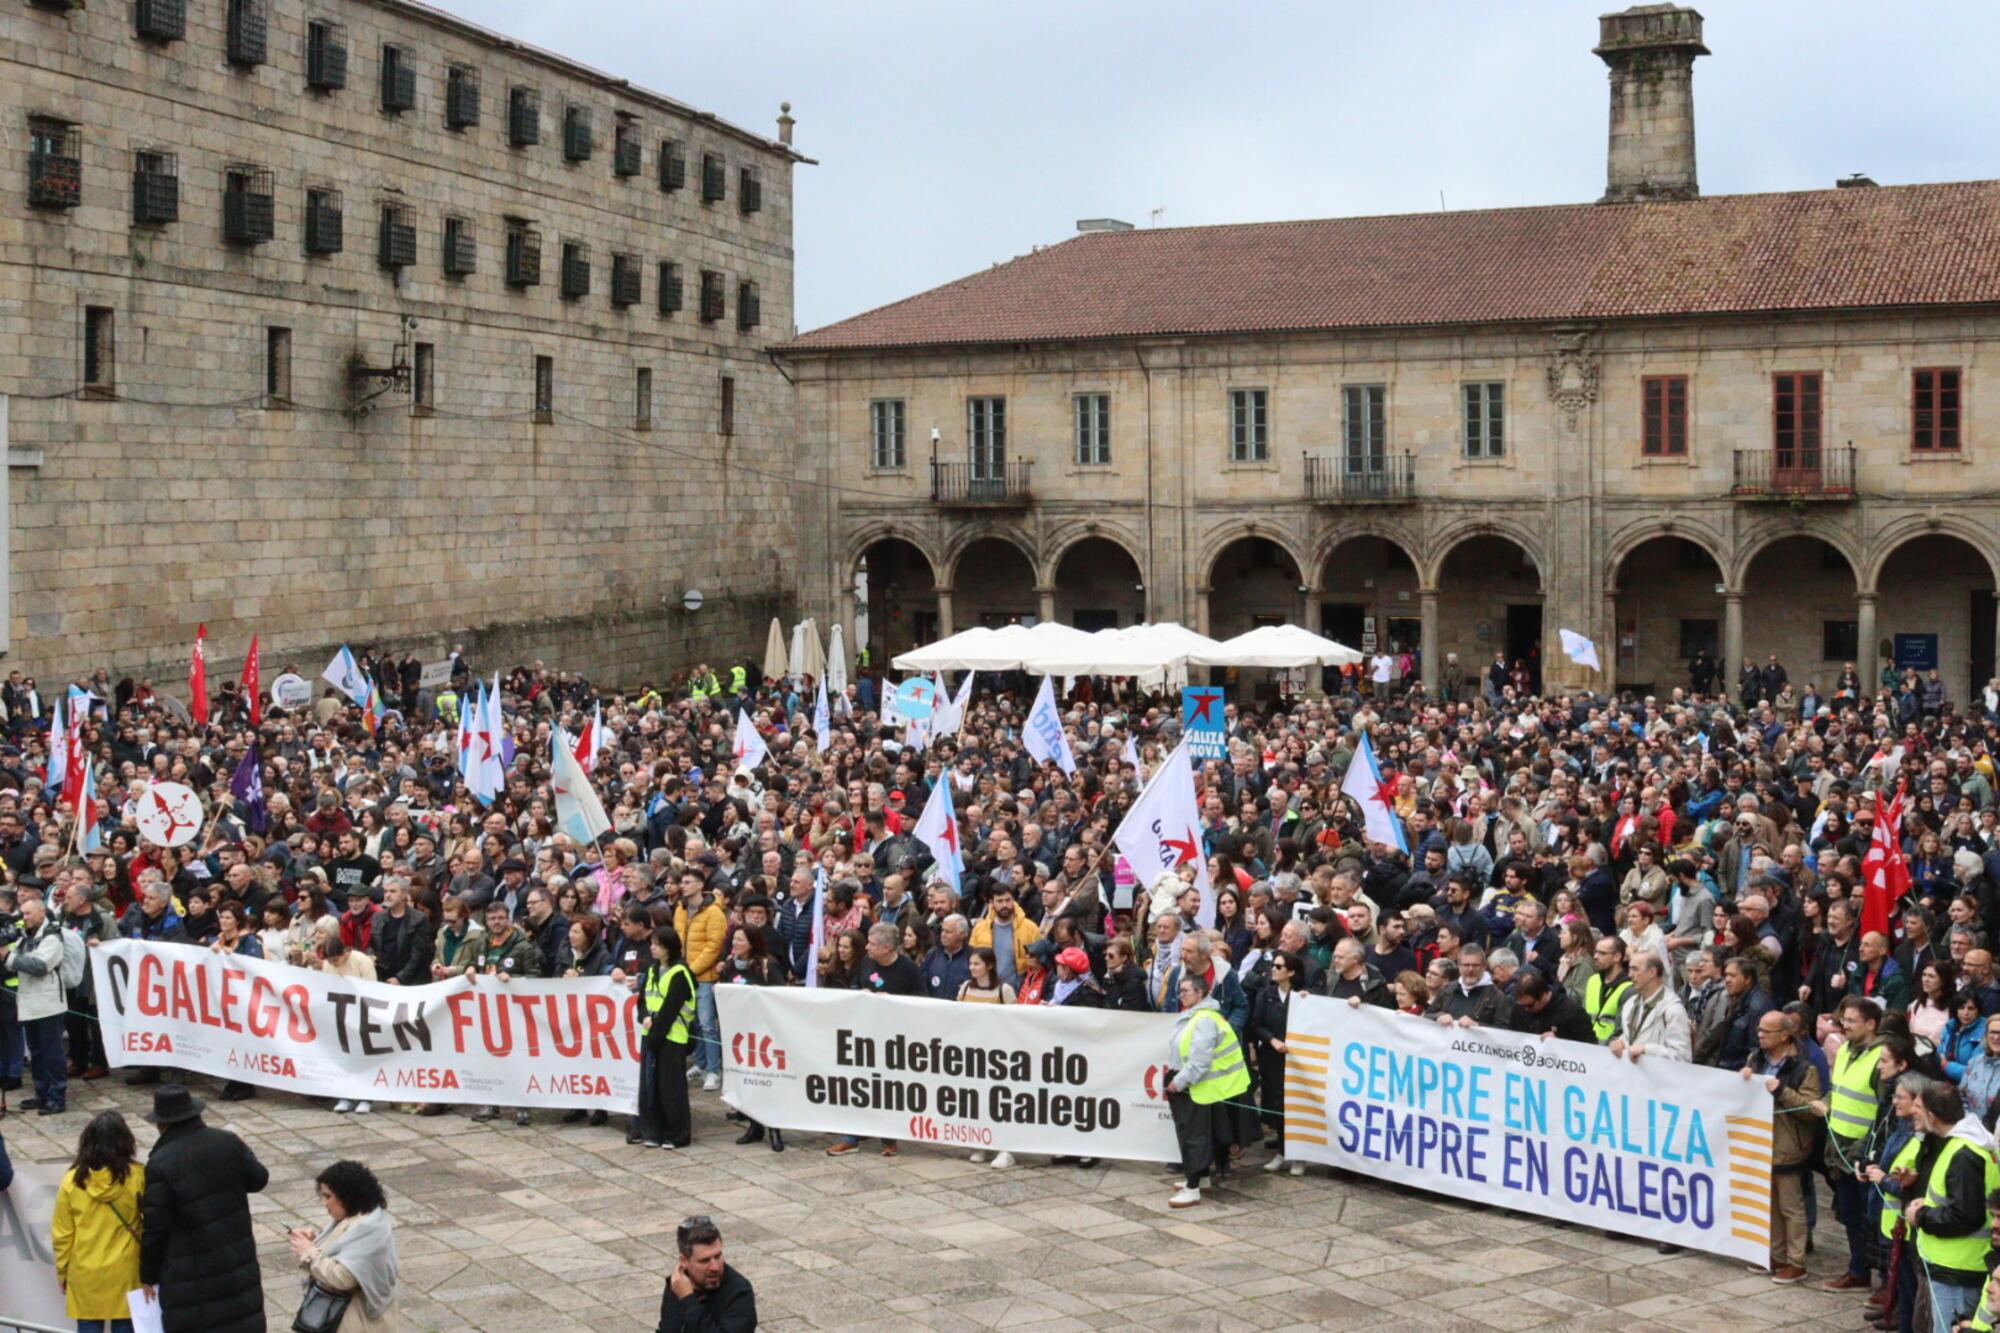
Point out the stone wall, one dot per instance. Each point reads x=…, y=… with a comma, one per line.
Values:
x=190, y=495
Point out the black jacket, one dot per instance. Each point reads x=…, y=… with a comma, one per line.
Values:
x=403, y=947
x=1563, y=1016
x=1370, y=989
x=1739, y=1029
x=1964, y=1208
x=196, y=1244
x=730, y=1308
x=1125, y=989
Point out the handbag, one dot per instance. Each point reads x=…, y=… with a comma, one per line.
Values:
x=322, y=1310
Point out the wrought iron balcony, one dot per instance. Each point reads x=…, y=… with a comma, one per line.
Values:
x=962, y=485
x=1794, y=474
x=1338, y=479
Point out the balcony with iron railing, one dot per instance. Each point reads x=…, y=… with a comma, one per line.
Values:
x=1794, y=474
x=1339, y=479
x=991, y=486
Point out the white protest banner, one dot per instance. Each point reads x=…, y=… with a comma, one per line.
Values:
x=28, y=1287
x=1650, y=1147
x=559, y=1043
x=290, y=691
x=1041, y=1079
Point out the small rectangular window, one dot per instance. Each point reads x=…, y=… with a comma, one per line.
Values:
x=749, y=306
x=249, y=32
x=670, y=287
x=1485, y=435
x=1365, y=427
x=886, y=421
x=277, y=367
x=545, y=389
x=727, y=425
x=1664, y=414
x=326, y=55
x=461, y=97
x=642, y=398
x=1934, y=410
x=100, y=351
x=423, y=379
x=1249, y=425
x=1840, y=641
x=714, y=178
x=673, y=165
x=399, y=79
x=713, y=298
x=55, y=163
x=1093, y=429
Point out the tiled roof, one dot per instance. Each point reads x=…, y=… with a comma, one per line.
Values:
x=1913, y=245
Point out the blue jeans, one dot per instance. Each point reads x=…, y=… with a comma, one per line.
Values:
x=45, y=1050
x=1951, y=1303
x=103, y=1326
x=708, y=1049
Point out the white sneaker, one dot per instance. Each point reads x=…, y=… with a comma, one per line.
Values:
x=711, y=1082
x=1275, y=1164
x=1002, y=1160
x=364, y=1108
x=979, y=1156
x=1187, y=1198
x=343, y=1106
x=1298, y=1168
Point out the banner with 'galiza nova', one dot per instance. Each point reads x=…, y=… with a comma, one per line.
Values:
x=1648, y=1147
x=565, y=1043
x=1039, y=1079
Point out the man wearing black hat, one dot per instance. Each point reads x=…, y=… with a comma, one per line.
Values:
x=196, y=1245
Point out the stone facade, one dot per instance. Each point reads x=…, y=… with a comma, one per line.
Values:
x=1572, y=526
x=197, y=481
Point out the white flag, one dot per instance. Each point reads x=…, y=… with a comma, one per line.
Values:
x=943, y=721
x=578, y=811
x=1043, y=735
x=1131, y=755
x=1162, y=830
x=493, y=732
x=937, y=830
x=749, y=745
x=1579, y=650
x=818, y=927
x=822, y=720
x=960, y=702
x=918, y=733
x=344, y=674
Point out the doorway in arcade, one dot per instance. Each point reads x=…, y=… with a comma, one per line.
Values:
x=1369, y=587
x=1490, y=602
x=1934, y=600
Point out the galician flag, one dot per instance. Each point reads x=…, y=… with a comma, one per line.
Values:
x=1043, y=735
x=749, y=746
x=344, y=674
x=1376, y=794
x=960, y=701
x=1162, y=831
x=87, y=809
x=578, y=811
x=818, y=927
x=462, y=757
x=58, y=774
x=937, y=830
x=822, y=721
x=493, y=732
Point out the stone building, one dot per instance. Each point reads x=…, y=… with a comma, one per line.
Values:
x=347, y=320
x=1748, y=423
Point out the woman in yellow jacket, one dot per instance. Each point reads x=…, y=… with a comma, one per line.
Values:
x=96, y=1228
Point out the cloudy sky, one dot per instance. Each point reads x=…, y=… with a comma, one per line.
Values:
x=954, y=135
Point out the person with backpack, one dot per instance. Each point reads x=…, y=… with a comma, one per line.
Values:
x=36, y=961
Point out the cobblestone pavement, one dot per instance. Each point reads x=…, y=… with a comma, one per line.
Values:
x=560, y=1227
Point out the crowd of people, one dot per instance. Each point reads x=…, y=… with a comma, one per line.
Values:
x=1677, y=877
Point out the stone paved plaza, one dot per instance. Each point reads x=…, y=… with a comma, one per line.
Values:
x=564, y=1227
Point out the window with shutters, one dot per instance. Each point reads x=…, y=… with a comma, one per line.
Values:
x=324, y=218
x=642, y=399
x=277, y=367
x=326, y=55
x=545, y=389
x=889, y=452
x=1485, y=427
x=1249, y=425
x=100, y=352
x=673, y=165
x=1664, y=411
x=1934, y=408
x=249, y=38
x=986, y=438
x=1365, y=428
x=670, y=287
x=461, y=97
x=1093, y=428
x=399, y=79
x=1795, y=419
x=156, y=188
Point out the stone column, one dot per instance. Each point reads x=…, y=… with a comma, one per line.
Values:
x=1201, y=609
x=1427, y=638
x=1045, y=605
x=1607, y=651
x=1312, y=615
x=1732, y=639
x=1572, y=581
x=1864, y=649
x=945, y=628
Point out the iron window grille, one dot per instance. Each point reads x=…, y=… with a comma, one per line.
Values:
x=397, y=241
x=749, y=308
x=575, y=269
x=461, y=97
x=625, y=151
x=323, y=222
x=399, y=79
x=160, y=20
x=326, y=55
x=248, y=213
x=576, y=133
x=156, y=189
x=670, y=287
x=461, y=248
x=55, y=164
x=626, y=282
x=714, y=178
x=673, y=166
x=750, y=190
x=524, y=256
x=249, y=32
x=524, y=117
x=712, y=296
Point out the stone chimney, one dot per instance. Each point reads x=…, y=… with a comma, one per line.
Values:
x=1651, y=51
x=785, y=122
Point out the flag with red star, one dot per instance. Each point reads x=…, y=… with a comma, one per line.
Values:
x=1162, y=831
x=1375, y=792
x=937, y=830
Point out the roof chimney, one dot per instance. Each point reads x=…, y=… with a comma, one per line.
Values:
x=1102, y=224
x=785, y=123
x=1651, y=51
x=1860, y=180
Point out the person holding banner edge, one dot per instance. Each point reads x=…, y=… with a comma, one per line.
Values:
x=666, y=1035
x=1209, y=1072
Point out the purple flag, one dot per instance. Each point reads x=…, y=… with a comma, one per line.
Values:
x=248, y=787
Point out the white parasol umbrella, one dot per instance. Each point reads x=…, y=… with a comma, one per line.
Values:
x=836, y=661
x=774, y=652
x=813, y=660
x=798, y=647
x=1277, y=646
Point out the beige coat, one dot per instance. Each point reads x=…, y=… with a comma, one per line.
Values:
x=333, y=1275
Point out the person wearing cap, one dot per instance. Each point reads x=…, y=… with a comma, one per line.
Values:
x=32, y=966
x=196, y=1245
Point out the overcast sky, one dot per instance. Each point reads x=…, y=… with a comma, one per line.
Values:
x=954, y=135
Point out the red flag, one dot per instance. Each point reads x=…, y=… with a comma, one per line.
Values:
x=253, y=685
x=1885, y=875
x=74, y=777
x=198, y=678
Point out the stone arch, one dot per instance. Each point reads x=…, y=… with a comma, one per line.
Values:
x=1755, y=542
x=1507, y=529
x=1241, y=588
x=869, y=534
x=1903, y=531
x=1000, y=586
x=1346, y=530
x=1095, y=582
x=899, y=609
x=1664, y=586
x=1070, y=536
x=1225, y=537
x=1631, y=537
x=960, y=541
x=1934, y=582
